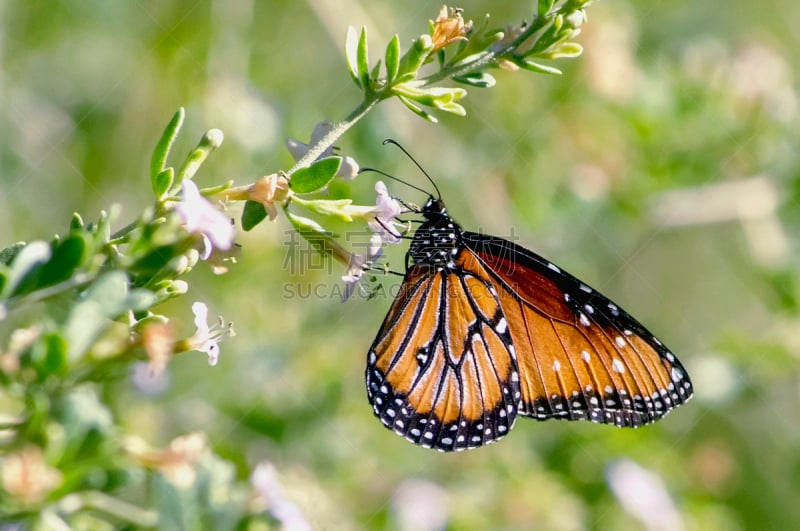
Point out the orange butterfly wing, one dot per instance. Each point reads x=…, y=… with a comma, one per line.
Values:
x=442, y=371
x=580, y=356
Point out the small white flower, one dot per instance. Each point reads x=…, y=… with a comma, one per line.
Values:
x=200, y=217
x=206, y=339
x=148, y=381
x=360, y=263
x=644, y=496
x=386, y=210
x=270, y=494
x=420, y=504
x=349, y=168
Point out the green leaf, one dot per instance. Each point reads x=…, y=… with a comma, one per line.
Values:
x=376, y=70
x=168, y=289
x=87, y=423
x=566, y=49
x=306, y=226
x=67, y=257
x=110, y=292
x=161, y=151
x=392, y=59
x=25, y=267
x=103, y=229
x=8, y=254
x=154, y=258
x=214, y=190
x=443, y=98
x=451, y=107
x=177, y=507
x=543, y=7
x=315, y=177
x=54, y=360
x=328, y=207
x=351, y=54
x=140, y=300
x=533, y=66
x=103, y=301
x=414, y=57
x=162, y=182
x=76, y=223
x=362, y=58
x=252, y=214
x=477, y=79
x=417, y=110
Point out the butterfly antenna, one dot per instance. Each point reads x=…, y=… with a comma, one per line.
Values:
x=417, y=164
x=398, y=179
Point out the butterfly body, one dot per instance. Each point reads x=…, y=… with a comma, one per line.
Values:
x=484, y=330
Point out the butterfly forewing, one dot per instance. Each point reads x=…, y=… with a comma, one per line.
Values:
x=580, y=355
x=442, y=370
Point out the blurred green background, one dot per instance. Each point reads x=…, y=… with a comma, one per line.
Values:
x=662, y=168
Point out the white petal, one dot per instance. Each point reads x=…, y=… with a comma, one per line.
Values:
x=200, y=311
x=320, y=130
x=212, y=349
x=200, y=216
x=296, y=148
x=349, y=169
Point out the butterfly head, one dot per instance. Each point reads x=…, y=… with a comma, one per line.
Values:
x=434, y=209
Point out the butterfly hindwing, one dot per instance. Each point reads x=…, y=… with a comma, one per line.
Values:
x=442, y=371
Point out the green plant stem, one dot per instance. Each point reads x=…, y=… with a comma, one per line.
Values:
x=112, y=506
x=49, y=291
x=370, y=100
x=117, y=236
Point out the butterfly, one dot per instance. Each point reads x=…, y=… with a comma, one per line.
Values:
x=483, y=331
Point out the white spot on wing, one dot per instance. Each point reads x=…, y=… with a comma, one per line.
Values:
x=583, y=319
x=585, y=356
x=617, y=366
x=553, y=267
x=619, y=341
x=556, y=365
x=501, y=326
